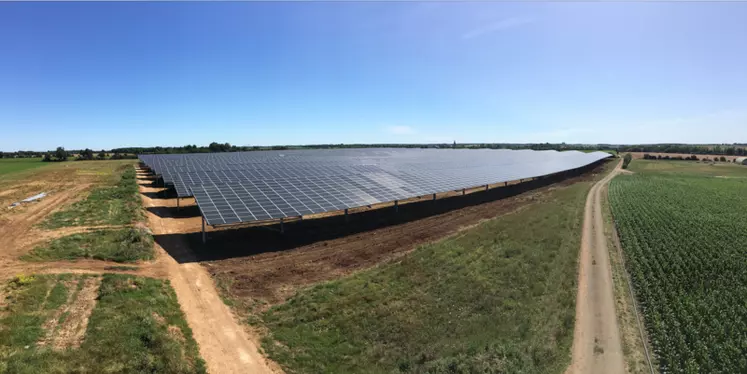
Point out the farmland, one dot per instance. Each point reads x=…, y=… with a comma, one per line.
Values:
x=683, y=231
x=12, y=165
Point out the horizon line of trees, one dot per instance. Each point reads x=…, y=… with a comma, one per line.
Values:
x=214, y=147
x=717, y=149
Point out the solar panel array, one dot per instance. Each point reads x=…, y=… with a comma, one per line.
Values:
x=249, y=186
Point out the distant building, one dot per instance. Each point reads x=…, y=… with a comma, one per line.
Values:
x=741, y=160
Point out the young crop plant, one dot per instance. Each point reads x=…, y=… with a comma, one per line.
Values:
x=684, y=239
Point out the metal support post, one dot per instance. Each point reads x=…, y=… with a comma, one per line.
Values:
x=347, y=218
x=486, y=187
x=505, y=184
x=177, y=203
x=396, y=206
x=434, y=197
x=282, y=226
x=203, y=230
x=464, y=191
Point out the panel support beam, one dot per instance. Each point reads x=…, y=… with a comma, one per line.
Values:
x=347, y=217
x=177, y=203
x=486, y=187
x=396, y=206
x=203, y=230
x=464, y=191
x=434, y=197
x=282, y=226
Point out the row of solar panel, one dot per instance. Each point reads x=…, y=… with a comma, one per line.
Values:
x=328, y=180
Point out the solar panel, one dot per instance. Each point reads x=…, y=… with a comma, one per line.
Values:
x=250, y=186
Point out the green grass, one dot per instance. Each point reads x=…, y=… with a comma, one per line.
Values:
x=117, y=204
x=684, y=234
x=687, y=168
x=497, y=298
x=135, y=327
x=12, y=165
x=121, y=245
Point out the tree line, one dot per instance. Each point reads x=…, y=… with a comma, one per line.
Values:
x=719, y=149
x=60, y=154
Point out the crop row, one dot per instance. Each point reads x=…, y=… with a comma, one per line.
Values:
x=685, y=243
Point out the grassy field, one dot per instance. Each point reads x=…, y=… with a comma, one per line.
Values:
x=136, y=326
x=12, y=165
x=684, y=233
x=499, y=297
x=116, y=202
x=120, y=245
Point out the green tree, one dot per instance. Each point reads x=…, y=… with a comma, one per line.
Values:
x=626, y=160
x=102, y=155
x=87, y=154
x=60, y=154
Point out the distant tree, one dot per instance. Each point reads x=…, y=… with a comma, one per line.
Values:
x=60, y=154
x=102, y=155
x=626, y=160
x=47, y=157
x=217, y=147
x=722, y=159
x=86, y=154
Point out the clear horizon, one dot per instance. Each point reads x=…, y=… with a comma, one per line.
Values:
x=112, y=75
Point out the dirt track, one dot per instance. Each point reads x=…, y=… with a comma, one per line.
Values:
x=224, y=344
x=596, y=339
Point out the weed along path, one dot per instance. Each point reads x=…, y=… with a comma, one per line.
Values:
x=596, y=339
x=224, y=344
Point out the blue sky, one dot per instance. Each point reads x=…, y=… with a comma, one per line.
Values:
x=105, y=75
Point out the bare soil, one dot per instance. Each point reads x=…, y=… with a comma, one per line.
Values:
x=50, y=326
x=70, y=333
x=19, y=232
x=596, y=341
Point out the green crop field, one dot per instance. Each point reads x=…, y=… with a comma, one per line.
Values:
x=684, y=232
x=11, y=165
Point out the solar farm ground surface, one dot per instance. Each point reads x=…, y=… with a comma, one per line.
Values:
x=254, y=269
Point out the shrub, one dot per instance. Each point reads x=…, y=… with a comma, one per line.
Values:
x=626, y=160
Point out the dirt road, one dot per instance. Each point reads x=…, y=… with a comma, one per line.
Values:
x=596, y=339
x=224, y=344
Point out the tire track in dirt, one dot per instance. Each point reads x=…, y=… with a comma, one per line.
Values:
x=224, y=344
x=70, y=333
x=16, y=226
x=596, y=340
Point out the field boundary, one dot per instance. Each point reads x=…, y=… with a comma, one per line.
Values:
x=618, y=247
